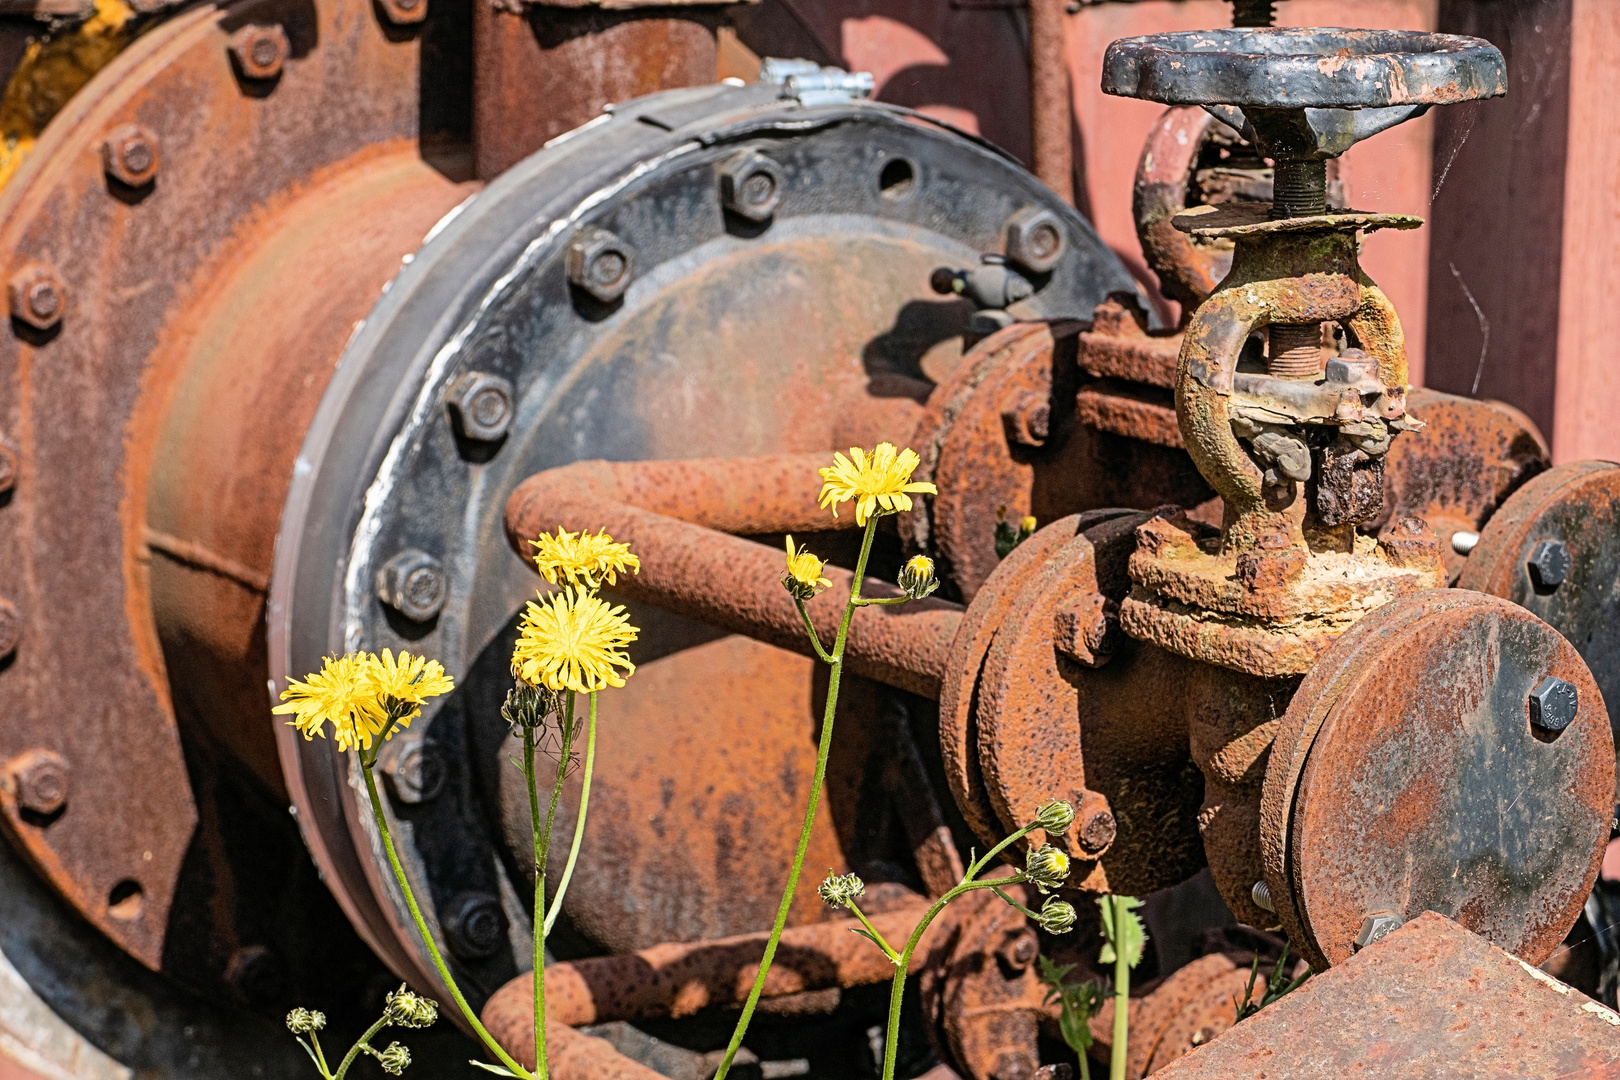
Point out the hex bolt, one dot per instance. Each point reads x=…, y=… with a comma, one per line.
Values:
x=1098, y=832
x=39, y=781
x=10, y=627
x=415, y=770
x=1261, y=895
x=404, y=12
x=751, y=185
x=1554, y=704
x=1375, y=926
x=1028, y=419
x=1548, y=564
x=474, y=925
x=601, y=264
x=1020, y=952
x=413, y=584
x=129, y=154
x=37, y=296
x=8, y=469
x=1035, y=239
x=482, y=405
x=260, y=51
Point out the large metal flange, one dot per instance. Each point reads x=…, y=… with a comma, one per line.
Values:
x=1417, y=769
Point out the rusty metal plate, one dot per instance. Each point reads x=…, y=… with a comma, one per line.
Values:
x=1431, y=1001
x=1426, y=787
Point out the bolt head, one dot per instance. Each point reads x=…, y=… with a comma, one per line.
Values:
x=600, y=264
x=39, y=780
x=1377, y=925
x=481, y=404
x=129, y=155
x=1549, y=564
x=1035, y=239
x=1028, y=419
x=404, y=12
x=413, y=583
x=1021, y=951
x=260, y=51
x=751, y=185
x=37, y=296
x=474, y=926
x=1097, y=832
x=1554, y=704
x=415, y=771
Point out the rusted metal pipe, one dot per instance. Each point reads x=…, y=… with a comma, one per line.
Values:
x=1050, y=111
x=670, y=513
x=679, y=979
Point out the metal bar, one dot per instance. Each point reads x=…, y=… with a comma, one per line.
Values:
x=1050, y=113
x=670, y=511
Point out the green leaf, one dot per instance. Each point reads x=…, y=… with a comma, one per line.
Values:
x=1129, y=938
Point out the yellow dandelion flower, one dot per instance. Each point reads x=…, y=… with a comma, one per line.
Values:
x=804, y=573
x=340, y=693
x=879, y=483
x=406, y=682
x=572, y=640
x=582, y=559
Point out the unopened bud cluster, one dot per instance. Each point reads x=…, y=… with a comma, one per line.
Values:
x=917, y=578
x=394, y=1060
x=1054, y=816
x=840, y=890
x=528, y=706
x=406, y=1009
x=302, y=1021
x=1046, y=867
x=1057, y=916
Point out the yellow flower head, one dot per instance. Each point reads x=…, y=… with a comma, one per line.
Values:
x=582, y=559
x=340, y=692
x=879, y=483
x=804, y=573
x=572, y=640
x=407, y=682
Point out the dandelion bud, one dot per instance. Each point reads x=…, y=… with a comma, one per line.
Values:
x=1026, y=527
x=1054, y=816
x=302, y=1021
x=406, y=1009
x=394, y=1060
x=917, y=578
x=840, y=890
x=528, y=706
x=1057, y=916
x=804, y=577
x=1047, y=867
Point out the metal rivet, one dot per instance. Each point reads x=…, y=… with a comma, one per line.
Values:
x=413, y=584
x=39, y=780
x=482, y=405
x=751, y=185
x=260, y=51
x=1548, y=564
x=474, y=925
x=37, y=296
x=601, y=264
x=1377, y=925
x=1035, y=239
x=129, y=154
x=1554, y=704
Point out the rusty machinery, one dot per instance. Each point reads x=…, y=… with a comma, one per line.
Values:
x=225, y=455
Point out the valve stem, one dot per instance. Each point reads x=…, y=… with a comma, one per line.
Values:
x=1299, y=189
x=1296, y=351
x=1253, y=12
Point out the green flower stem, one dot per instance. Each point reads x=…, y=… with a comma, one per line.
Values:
x=836, y=660
x=810, y=628
x=1122, y=992
x=542, y=848
x=1016, y=906
x=320, y=1055
x=579, y=825
x=363, y=1042
x=879, y=600
x=422, y=928
x=888, y=949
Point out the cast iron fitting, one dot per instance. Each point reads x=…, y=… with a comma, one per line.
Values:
x=1299, y=189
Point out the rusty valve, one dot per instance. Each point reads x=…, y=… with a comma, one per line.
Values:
x=37, y=296
x=130, y=155
x=39, y=781
x=260, y=51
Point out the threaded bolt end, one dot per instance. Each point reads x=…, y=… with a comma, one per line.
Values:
x=1299, y=189
x=1253, y=12
x=1296, y=351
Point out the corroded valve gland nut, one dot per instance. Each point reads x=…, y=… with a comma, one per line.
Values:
x=39, y=781
x=1377, y=925
x=1035, y=239
x=404, y=12
x=1549, y=564
x=751, y=185
x=260, y=51
x=601, y=264
x=129, y=154
x=413, y=584
x=1554, y=704
x=37, y=296
x=482, y=405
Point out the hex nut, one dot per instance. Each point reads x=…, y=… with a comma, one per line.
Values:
x=1554, y=704
x=37, y=296
x=260, y=51
x=415, y=771
x=751, y=185
x=1088, y=633
x=1028, y=419
x=129, y=154
x=1377, y=925
x=601, y=264
x=481, y=404
x=474, y=925
x=1098, y=832
x=413, y=584
x=1549, y=564
x=10, y=627
x=39, y=781
x=404, y=12
x=1035, y=239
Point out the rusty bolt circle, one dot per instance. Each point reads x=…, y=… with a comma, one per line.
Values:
x=601, y=264
x=1035, y=239
x=404, y=12
x=1554, y=704
x=40, y=781
x=8, y=470
x=129, y=154
x=1549, y=564
x=1375, y=926
x=751, y=185
x=10, y=627
x=1028, y=419
x=37, y=296
x=1098, y=832
x=474, y=925
x=413, y=583
x=260, y=51
x=482, y=405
